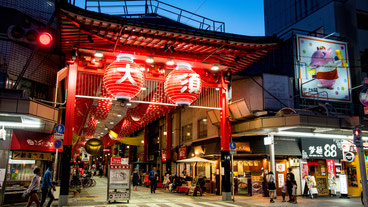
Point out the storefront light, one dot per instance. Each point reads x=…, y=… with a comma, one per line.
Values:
x=24, y=124
x=98, y=54
x=149, y=60
x=170, y=62
x=314, y=135
x=165, y=133
x=215, y=67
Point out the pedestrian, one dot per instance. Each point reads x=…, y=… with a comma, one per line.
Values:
x=135, y=179
x=294, y=192
x=271, y=187
x=47, y=185
x=153, y=176
x=101, y=171
x=167, y=181
x=283, y=190
x=33, y=188
x=289, y=179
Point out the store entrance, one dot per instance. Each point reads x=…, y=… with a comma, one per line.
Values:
x=319, y=170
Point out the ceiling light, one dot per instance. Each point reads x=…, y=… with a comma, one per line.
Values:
x=142, y=141
x=204, y=120
x=143, y=88
x=217, y=89
x=215, y=67
x=149, y=60
x=112, y=122
x=170, y=62
x=165, y=133
x=98, y=122
x=129, y=104
x=101, y=133
x=119, y=115
x=128, y=147
x=106, y=128
x=98, y=54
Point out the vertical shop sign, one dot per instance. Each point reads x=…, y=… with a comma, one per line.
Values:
x=182, y=153
x=331, y=166
x=304, y=169
x=163, y=155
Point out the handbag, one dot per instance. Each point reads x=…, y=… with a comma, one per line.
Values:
x=26, y=194
x=271, y=185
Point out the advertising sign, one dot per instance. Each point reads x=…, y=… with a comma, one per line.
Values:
x=119, y=177
x=22, y=155
x=163, y=155
x=321, y=148
x=119, y=161
x=363, y=96
x=33, y=141
x=304, y=169
x=182, y=153
x=323, y=69
x=118, y=196
x=330, y=167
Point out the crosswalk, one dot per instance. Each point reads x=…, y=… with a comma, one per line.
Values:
x=176, y=204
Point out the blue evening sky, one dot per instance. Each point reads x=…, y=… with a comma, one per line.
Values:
x=244, y=17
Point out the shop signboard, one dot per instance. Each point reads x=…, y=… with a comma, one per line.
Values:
x=363, y=96
x=119, y=177
x=32, y=141
x=349, y=156
x=182, y=153
x=322, y=69
x=304, y=169
x=314, y=148
x=22, y=155
x=163, y=155
x=118, y=196
x=119, y=161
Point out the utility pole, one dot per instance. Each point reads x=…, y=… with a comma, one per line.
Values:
x=358, y=141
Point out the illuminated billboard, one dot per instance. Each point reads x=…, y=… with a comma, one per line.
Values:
x=323, y=69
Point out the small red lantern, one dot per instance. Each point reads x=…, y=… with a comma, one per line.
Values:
x=183, y=85
x=123, y=78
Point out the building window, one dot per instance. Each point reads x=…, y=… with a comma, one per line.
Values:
x=362, y=20
x=202, y=128
x=186, y=133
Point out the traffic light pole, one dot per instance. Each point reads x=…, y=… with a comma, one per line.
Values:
x=363, y=175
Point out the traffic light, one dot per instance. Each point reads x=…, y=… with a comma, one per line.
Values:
x=33, y=35
x=357, y=137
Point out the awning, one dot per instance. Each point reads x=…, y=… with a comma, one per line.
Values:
x=32, y=141
x=287, y=147
x=195, y=160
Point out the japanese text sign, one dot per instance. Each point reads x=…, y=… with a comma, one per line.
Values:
x=314, y=148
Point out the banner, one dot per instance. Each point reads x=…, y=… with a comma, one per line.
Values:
x=314, y=148
x=331, y=166
x=182, y=153
x=32, y=141
x=323, y=69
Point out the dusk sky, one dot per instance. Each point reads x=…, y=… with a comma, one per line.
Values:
x=240, y=16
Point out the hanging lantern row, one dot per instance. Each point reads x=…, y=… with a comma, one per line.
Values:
x=123, y=79
x=92, y=124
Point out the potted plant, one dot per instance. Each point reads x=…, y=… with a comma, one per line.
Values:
x=76, y=191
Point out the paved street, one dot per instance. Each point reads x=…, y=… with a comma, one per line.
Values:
x=96, y=196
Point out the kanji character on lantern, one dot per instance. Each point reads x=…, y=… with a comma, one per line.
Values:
x=123, y=78
x=183, y=85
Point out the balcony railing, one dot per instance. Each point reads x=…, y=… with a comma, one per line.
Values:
x=145, y=8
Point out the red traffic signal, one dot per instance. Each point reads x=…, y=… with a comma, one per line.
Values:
x=357, y=132
x=45, y=39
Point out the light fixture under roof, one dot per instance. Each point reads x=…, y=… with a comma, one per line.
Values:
x=149, y=60
x=98, y=54
x=215, y=68
x=119, y=115
x=143, y=88
x=112, y=122
x=128, y=104
x=170, y=62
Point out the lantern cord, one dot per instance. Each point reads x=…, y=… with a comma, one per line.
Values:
x=118, y=38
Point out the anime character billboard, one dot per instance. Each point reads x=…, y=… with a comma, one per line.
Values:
x=323, y=69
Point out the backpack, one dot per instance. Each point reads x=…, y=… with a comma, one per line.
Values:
x=152, y=175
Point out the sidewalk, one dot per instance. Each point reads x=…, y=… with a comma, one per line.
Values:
x=96, y=196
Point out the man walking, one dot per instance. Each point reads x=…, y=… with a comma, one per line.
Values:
x=290, y=178
x=47, y=185
x=153, y=176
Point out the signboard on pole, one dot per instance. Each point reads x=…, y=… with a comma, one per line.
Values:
x=321, y=148
x=118, y=187
x=58, y=143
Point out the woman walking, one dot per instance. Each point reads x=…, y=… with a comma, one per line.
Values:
x=135, y=179
x=271, y=186
x=33, y=188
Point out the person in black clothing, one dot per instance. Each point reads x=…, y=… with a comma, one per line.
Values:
x=290, y=178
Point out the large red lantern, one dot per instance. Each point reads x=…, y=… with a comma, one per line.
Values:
x=123, y=78
x=183, y=85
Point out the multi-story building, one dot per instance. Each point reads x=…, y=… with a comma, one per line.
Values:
x=27, y=84
x=304, y=104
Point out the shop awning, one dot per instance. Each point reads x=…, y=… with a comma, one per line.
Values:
x=32, y=141
x=287, y=147
x=195, y=160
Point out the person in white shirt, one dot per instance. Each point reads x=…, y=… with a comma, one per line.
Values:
x=33, y=188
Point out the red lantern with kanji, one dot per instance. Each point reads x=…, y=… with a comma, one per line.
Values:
x=123, y=78
x=183, y=85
